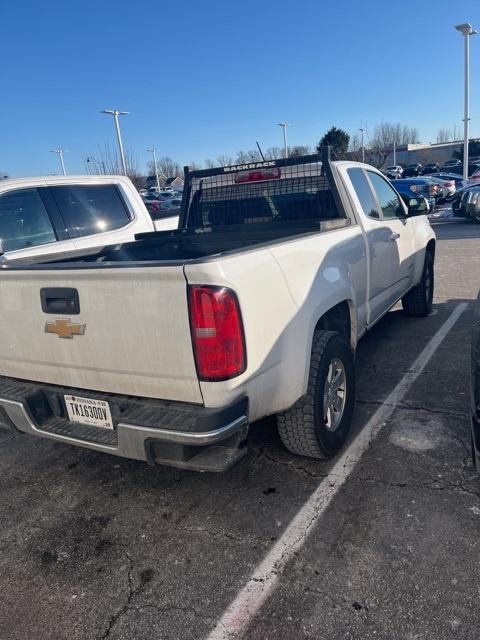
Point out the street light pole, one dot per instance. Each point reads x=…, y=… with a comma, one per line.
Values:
x=115, y=113
x=363, y=146
x=394, y=153
x=284, y=125
x=99, y=162
x=155, y=165
x=60, y=153
x=466, y=30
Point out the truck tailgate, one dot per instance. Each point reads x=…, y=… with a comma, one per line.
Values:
x=136, y=339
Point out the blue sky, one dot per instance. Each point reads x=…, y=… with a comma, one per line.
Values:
x=204, y=77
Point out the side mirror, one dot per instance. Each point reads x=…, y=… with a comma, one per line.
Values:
x=2, y=247
x=418, y=206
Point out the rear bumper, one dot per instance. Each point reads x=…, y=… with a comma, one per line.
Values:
x=158, y=432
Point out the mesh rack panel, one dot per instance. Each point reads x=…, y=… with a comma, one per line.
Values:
x=280, y=194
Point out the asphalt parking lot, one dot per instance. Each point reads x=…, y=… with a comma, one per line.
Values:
x=95, y=547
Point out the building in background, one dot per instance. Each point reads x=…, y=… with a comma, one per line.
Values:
x=424, y=153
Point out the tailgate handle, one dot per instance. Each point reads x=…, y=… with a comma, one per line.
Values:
x=60, y=300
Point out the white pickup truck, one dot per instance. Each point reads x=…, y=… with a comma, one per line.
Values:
x=166, y=349
x=67, y=215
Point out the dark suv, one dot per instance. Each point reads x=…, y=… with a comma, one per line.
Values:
x=412, y=170
x=432, y=167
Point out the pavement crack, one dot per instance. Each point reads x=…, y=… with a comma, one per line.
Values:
x=432, y=485
x=218, y=534
x=13, y=437
x=409, y=406
x=293, y=464
x=132, y=593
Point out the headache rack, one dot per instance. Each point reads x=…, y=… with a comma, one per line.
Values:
x=293, y=192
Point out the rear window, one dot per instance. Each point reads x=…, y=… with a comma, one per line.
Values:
x=90, y=209
x=24, y=221
x=302, y=197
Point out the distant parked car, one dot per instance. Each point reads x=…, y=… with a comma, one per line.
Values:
x=447, y=187
x=160, y=208
x=466, y=203
x=451, y=163
x=394, y=172
x=412, y=170
x=412, y=187
x=459, y=181
x=458, y=169
x=475, y=177
x=432, y=167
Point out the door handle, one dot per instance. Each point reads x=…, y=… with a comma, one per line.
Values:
x=394, y=236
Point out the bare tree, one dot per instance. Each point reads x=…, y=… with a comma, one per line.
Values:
x=376, y=156
x=252, y=155
x=355, y=147
x=444, y=135
x=4, y=175
x=456, y=133
x=224, y=160
x=209, y=163
x=105, y=161
x=386, y=133
x=166, y=167
x=298, y=150
x=274, y=153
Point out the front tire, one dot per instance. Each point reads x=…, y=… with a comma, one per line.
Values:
x=418, y=302
x=319, y=423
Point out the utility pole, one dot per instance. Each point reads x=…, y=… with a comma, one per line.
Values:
x=155, y=165
x=115, y=113
x=60, y=153
x=284, y=125
x=466, y=30
x=395, y=152
x=363, y=146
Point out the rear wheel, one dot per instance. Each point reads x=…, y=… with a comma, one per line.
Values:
x=419, y=300
x=319, y=423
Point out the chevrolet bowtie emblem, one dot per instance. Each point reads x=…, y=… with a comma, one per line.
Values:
x=65, y=328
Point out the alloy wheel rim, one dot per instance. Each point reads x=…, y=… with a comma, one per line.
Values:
x=334, y=394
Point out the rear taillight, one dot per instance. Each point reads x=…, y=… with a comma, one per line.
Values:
x=217, y=332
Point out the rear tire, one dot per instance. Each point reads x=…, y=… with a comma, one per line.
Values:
x=319, y=423
x=418, y=301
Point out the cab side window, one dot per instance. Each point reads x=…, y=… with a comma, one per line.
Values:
x=387, y=197
x=24, y=220
x=90, y=209
x=364, y=192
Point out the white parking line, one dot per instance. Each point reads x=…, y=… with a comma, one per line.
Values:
x=265, y=577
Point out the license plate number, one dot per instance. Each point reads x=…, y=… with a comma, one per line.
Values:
x=95, y=413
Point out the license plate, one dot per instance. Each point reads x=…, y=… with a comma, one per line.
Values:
x=95, y=413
